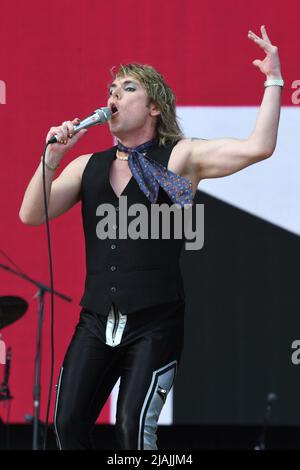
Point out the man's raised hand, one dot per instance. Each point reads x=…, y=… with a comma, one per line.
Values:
x=270, y=66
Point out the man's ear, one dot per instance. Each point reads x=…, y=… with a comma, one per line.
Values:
x=154, y=109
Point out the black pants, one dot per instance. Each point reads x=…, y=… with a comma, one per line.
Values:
x=143, y=349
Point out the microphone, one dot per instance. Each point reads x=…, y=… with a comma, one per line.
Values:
x=99, y=116
x=271, y=397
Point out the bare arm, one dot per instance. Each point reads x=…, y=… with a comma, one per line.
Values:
x=62, y=192
x=221, y=157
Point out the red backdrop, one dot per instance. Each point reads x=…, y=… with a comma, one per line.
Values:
x=55, y=61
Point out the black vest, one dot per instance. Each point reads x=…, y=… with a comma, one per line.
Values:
x=134, y=274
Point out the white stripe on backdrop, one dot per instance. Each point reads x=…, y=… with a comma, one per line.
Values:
x=269, y=189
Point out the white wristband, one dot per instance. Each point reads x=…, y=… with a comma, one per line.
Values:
x=274, y=81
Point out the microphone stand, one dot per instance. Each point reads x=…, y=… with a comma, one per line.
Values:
x=42, y=288
x=5, y=393
x=271, y=397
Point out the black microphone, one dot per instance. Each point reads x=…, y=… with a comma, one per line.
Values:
x=99, y=116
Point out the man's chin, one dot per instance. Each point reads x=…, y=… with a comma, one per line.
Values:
x=117, y=134
x=119, y=131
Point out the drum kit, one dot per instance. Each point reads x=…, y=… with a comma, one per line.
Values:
x=11, y=309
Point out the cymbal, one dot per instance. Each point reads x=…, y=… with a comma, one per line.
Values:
x=11, y=309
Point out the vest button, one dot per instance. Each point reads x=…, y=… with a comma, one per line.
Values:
x=113, y=289
x=113, y=268
x=113, y=246
x=117, y=208
x=114, y=227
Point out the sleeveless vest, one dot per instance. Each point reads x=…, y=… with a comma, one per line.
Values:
x=132, y=273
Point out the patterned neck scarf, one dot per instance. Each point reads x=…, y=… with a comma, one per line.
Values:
x=150, y=174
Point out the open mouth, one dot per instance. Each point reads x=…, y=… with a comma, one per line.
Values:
x=114, y=109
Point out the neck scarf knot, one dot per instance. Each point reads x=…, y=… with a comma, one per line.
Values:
x=150, y=175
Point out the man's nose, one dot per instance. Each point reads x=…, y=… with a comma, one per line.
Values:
x=116, y=93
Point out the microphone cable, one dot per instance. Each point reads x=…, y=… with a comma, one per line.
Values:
x=51, y=298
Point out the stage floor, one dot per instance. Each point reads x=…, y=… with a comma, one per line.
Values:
x=171, y=438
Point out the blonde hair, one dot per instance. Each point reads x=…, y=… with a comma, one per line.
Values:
x=167, y=128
